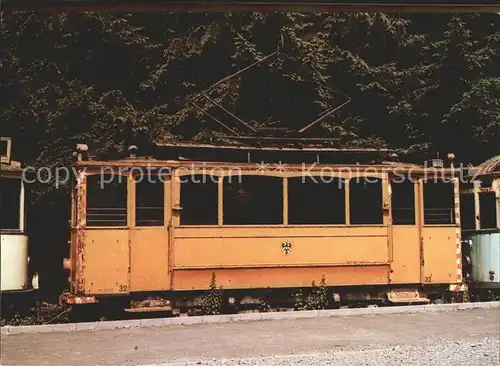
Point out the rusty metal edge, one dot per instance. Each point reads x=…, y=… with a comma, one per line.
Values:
x=257, y=6
x=271, y=148
x=217, y=319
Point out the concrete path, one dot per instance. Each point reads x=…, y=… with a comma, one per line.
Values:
x=205, y=342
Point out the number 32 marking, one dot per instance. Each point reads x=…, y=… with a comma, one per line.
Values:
x=122, y=288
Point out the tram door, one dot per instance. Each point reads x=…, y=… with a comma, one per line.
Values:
x=149, y=238
x=440, y=232
x=405, y=232
x=105, y=259
x=126, y=235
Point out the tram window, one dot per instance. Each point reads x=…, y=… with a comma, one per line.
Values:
x=149, y=201
x=4, y=148
x=486, y=182
x=365, y=197
x=439, y=203
x=467, y=185
x=199, y=200
x=253, y=200
x=106, y=200
x=10, y=195
x=487, y=210
x=467, y=211
x=403, y=203
x=312, y=200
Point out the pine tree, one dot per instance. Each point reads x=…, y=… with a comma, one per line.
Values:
x=452, y=105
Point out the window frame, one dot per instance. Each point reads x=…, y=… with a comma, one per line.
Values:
x=129, y=190
x=415, y=205
x=384, y=182
x=456, y=191
x=472, y=195
x=177, y=204
x=345, y=190
x=482, y=203
x=21, y=220
x=223, y=172
x=279, y=180
x=133, y=204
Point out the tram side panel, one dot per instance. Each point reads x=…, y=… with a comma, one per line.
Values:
x=247, y=246
x=14, y=261
x=14, y=241
x=482, y=230
x=280, y=257
x=115, y=252
x=420, y=248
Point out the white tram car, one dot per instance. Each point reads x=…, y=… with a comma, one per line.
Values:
x=480, y=204
x=14, y=240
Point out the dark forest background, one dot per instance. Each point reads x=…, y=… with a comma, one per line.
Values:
x=419, y=83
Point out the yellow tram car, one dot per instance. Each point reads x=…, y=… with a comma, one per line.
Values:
x=264, y=218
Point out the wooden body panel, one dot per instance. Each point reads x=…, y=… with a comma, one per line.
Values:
x=347, y=256
x=254, y=258
x=149, y=266
x=106, y=261
x=280, y=277
x=406, y=255
x=280, y=231
x=440, y=254
x=243, y=247
x=123, y=260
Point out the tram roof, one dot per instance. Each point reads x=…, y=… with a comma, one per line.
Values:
x=383, y=166
x=207, y=147
x=489, y=167
x=250, y=153
x=13, y=169
x=249, y=157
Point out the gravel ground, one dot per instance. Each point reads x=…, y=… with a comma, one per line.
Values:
x=438, y=352
x=468, y=337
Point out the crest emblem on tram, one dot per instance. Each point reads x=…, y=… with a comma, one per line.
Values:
x=286, y=247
